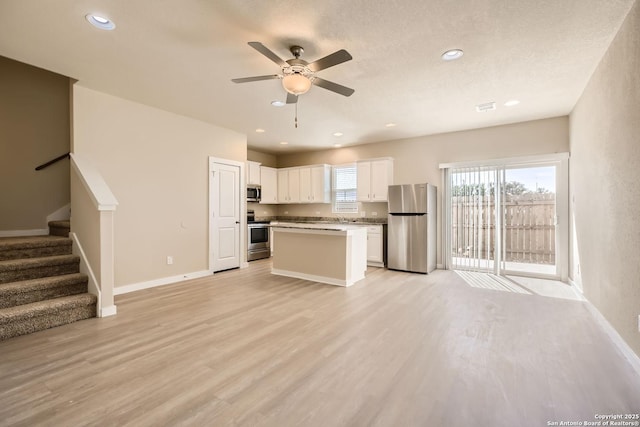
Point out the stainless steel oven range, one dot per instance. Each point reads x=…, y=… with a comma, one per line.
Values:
x=258, y=238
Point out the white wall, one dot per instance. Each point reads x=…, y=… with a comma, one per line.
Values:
x=605, y=175
x=418, y=159
x=156, y=164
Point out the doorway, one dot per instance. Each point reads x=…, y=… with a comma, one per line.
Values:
x=225, y=213
x=508, y=217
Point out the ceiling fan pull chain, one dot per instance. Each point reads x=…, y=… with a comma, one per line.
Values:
x=296, y=120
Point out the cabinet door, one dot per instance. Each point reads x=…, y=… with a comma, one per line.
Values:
x=283, y=186
x=253, y=173
x=306, y=187
x=364, y=181
x=294, y=185
x=320, y=184
x=374, y=247
x=269, y=183
x=379, y=180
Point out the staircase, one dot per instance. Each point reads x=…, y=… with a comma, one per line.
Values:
x=40, y=283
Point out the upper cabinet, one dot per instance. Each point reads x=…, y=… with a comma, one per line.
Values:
x=289, y=185
x=269, y=183
x=374, y=178
x=315, y=184
x=253, y=173
x=304, y=184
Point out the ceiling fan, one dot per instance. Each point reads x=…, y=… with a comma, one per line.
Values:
x=298, y=75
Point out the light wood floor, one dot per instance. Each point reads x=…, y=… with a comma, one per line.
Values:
x=247, y=348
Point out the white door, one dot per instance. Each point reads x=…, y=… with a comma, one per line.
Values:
x=224, y=193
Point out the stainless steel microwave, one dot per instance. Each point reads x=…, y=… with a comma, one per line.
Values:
x=254, y=193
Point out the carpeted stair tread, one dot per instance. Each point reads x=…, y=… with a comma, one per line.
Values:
x=59, y=228
x=32, y=268
x=28, y=318
x=28, y=291
x=33, y=247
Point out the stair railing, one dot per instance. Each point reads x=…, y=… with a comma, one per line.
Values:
x=50, y=162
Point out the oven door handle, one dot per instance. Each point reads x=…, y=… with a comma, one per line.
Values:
x=237, y=222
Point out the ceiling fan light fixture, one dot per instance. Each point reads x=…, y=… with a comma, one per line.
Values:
x=296, y=84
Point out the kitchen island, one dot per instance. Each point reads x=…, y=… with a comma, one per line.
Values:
x=335, y=254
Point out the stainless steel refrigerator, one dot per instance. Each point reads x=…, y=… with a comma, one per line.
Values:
x=412, y=228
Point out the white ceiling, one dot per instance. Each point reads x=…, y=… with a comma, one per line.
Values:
x=181, y=55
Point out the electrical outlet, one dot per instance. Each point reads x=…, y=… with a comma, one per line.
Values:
x=317, y=212
x=363, y=214
x=286, y=212
x=169, y=260
x=374, y=213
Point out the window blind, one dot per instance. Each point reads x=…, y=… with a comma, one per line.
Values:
x=344, y=189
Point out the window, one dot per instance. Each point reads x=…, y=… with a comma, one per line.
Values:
x=344, y=189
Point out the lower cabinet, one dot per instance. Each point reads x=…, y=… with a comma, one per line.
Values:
x=376, y=245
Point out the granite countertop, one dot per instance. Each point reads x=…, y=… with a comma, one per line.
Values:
x=325, y=220
x=312, y=226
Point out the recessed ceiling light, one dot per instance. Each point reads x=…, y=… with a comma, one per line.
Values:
x=338, y=134
x=259, y=130
x=390, y=125
x=511, y=103
x=283, y=143
x=452, y=54
x=277, y=103
x=100, y=22
x=337, y=145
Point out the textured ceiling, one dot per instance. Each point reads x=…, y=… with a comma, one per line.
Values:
x=181, y=55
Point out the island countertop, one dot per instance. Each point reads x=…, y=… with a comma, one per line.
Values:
x=312, y=226
x=335, y=254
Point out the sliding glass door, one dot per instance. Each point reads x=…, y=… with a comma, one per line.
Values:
x=503, y=218
x=529, y=225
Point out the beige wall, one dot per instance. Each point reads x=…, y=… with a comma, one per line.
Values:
x=605, y=174
x=34, y=128
x=417, y=159
x=264, y=158
x=156, y=164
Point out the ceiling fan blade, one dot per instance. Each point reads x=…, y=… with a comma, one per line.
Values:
x=268, y=53
x=330, y=60
x=334, y=87
x=291, y=98
x=255, y=79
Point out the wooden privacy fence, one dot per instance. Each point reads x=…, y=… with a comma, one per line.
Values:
x=528, y=226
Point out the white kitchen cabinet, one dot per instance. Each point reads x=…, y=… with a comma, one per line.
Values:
x=253, y=173
x=375, y=245
x=315, y=184
x=269, y=184
x=373, y=179
x=289, y=185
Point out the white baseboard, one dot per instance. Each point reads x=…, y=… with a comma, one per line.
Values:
x=62, y=214
x=108, y=311
x=119, y=290
x=85, y=268
x=313, y=278
x=624, y=348
x=576, y=289
x=18, y=233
